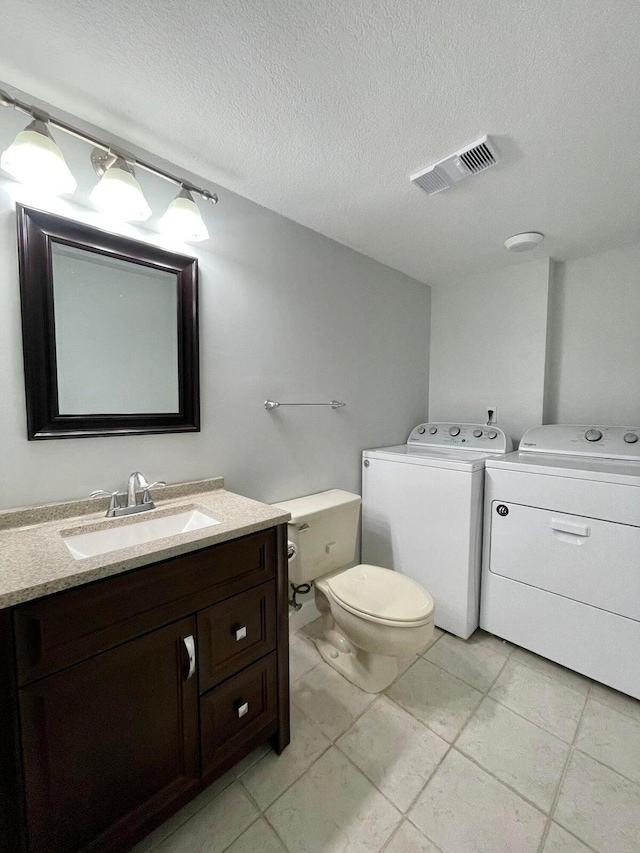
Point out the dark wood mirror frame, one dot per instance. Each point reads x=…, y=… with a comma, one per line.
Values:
x=36, y=232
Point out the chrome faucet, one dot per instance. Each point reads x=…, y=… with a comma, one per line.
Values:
x=136, y=482
x=134, y=478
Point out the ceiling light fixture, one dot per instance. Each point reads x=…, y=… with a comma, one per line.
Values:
x=183, y=219
x=34, y=159
x=524, y=242
x=118, y=193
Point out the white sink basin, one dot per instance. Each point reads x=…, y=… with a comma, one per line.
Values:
x=105, y=541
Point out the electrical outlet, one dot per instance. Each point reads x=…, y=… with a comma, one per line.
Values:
x=492, y=414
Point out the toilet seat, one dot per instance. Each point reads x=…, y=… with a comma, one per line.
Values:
x=382, y=596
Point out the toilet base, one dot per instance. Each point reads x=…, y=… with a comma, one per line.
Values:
x=371, y=673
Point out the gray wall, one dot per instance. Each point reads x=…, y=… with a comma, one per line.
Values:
x=286, y=314
x=546, y=342
x=488, y=347
x=593, y=369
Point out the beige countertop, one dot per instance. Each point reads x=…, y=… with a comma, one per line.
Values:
x=34, y=560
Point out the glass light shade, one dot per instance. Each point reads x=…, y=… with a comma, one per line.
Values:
x=118, y=194
x=34, y=159
x=183, y=220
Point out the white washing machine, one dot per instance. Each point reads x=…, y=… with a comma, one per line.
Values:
x=422, y=513
x=561, y=563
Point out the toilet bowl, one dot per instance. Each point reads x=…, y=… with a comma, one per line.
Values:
x=372, y=616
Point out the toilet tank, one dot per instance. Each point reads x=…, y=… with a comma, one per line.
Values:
x=323, y=528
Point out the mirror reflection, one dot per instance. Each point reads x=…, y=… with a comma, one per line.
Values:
x=116, y=335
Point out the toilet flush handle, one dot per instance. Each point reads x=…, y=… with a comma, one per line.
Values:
x=329, y=547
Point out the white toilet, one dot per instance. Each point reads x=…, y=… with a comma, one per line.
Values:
x=372, y=616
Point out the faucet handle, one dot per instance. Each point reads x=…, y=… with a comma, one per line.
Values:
x=146, y=493
x=114, y=503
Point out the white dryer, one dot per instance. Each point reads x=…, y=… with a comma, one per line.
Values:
x=561, y=562
x=422, y=513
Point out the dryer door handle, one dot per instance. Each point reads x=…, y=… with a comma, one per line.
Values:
x=573, y=528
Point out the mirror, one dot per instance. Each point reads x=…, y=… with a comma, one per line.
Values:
x=110, y=332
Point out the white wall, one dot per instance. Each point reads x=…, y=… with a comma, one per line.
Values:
x=488, y=337
x=593, y=369
x=286, y=314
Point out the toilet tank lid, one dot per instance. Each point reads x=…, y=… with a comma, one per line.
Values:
x=309, y=507
x=382, y=593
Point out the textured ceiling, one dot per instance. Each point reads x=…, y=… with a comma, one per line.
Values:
x=321, y=109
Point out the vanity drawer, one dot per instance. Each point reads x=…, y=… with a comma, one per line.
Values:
x=234, y=633
x=62, y=629
x=237, y=710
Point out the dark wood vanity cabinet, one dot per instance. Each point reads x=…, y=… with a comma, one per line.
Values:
x=124, y=698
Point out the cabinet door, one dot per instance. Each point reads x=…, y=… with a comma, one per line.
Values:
x=110, y=741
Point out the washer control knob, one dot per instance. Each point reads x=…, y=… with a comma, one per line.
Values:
x=454, y=431
x=477, y=433
x=492, y=434
x=593, y=435
x=433, y=430
x=630, y=437
x=421, y=430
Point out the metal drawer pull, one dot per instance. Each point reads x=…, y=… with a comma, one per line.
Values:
x=190, y=646
x=241, y=633
x=243, y=709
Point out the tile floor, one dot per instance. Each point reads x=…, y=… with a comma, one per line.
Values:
x=478, y=747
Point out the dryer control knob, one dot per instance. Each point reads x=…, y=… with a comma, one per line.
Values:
x=433, y=430
x=454, y=431
x=421, y=430
x=593, y=435
x=492, y=434
x=630, y=437
x=477, y=433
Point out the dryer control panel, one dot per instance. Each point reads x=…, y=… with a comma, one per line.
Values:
x=461, y=436
x=606, y=442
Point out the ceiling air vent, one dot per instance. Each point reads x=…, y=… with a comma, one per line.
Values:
x=470, y=160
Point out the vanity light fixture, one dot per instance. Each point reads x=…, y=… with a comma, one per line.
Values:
x=34, y=158
x=118, y=193
x=183, y=220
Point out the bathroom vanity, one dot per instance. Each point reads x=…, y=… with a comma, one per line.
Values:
x=130, y=680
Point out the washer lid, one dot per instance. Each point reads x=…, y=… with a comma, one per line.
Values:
x=381, y=593
x=434, y=457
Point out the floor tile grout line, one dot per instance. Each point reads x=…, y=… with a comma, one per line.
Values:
x=277, y=834
x=362, y=773
x=246, y=829
x=404, y=815
x=284, y=790
x=404, y=820
x=450, y=746
x=487, y=694
x=634, y=720
x=630, y=716
x=453, y=746
x=459, y=677
x=563, y=776
x=558, y=680
x=522, y=717
x=606, y=766
x=542, y=728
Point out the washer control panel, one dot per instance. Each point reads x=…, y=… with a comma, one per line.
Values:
x=461, y=436
x=608, y=442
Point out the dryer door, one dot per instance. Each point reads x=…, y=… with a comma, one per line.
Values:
x=585, y=559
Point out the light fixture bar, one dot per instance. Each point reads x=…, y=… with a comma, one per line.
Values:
x=7, y=101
